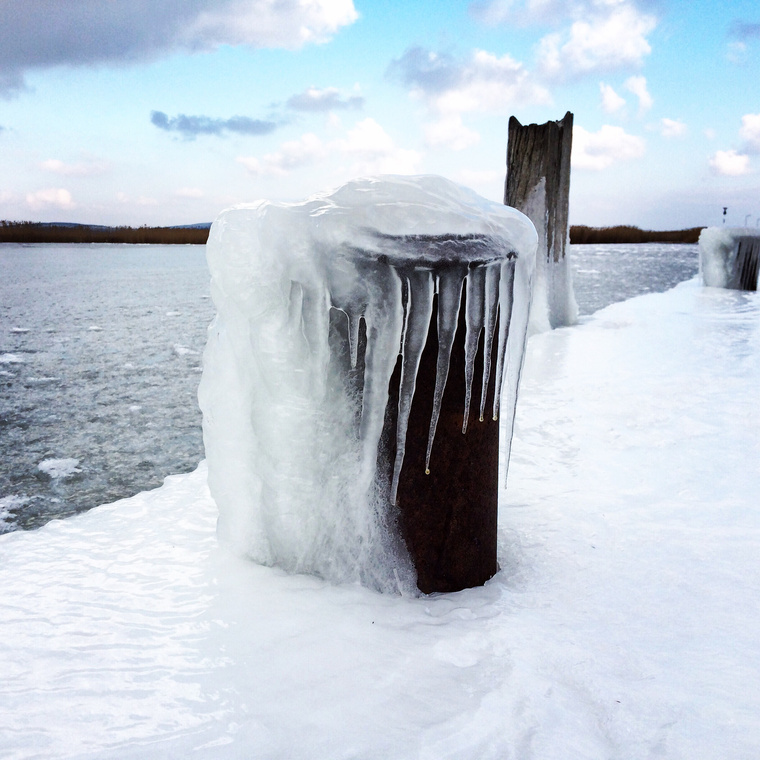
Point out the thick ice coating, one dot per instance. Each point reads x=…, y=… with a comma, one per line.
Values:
x=729, y=256
x=315, y=303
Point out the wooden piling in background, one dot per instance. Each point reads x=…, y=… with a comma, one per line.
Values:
x=746, y=264
x=538, y=184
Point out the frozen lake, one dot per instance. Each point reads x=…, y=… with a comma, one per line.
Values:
x=100, y=351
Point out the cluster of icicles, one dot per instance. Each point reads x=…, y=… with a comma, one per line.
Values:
x=315, y=302
x=446, y=266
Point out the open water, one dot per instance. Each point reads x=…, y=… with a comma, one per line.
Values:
x=100, y=358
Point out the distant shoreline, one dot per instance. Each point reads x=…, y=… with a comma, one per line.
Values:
x=39, y=232
x=629, y=234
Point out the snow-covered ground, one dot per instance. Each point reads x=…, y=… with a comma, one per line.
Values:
x=623, y=624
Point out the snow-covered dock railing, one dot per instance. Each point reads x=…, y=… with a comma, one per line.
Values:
x=358, y=335
x=730, y=257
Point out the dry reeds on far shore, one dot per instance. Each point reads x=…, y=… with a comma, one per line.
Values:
x=630, y=234
x=33, y=232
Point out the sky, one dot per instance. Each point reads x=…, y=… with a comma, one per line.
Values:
x=166, y=112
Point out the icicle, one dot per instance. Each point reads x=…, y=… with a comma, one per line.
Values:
x=491, y=310
x=449, y=298
x=520, y=290
x=419, y=310
x=506, y=286
x=474, y=320
x=384, y=321
x=354, y=320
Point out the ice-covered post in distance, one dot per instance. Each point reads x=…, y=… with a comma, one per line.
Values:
x=538, y=184
x=347, y=358
x=729, y=257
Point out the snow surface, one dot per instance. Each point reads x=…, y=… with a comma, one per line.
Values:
x=294, y=405
x=623, y=623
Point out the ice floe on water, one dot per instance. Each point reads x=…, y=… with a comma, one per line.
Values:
x=181, y=350
x=11, y=359
x=7, y=505
x=59, y=468
x=623, y=623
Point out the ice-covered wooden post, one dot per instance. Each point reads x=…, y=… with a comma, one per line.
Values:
x=538, y=184
x=345, y=363
x=730, y=257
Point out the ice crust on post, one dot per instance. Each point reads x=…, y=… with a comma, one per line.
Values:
x=728, y=257
x=315, y=302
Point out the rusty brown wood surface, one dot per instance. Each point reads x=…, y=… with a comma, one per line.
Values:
x=448, y=518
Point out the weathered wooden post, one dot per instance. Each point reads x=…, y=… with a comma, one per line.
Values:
x=448, y=509
x=747, y=260
x=729, y=257
x=358, y=335
x=538, y=184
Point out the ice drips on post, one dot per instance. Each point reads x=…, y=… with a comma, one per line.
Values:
x=315, y=303
x=729, y=257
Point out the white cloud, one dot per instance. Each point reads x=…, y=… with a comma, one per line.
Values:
x=483, y=82
x=264, y=23
x=374, y=152
x=142, y=200
x=449, y=132
x=523, y=12
x=81, y=169
x=613, y=38
x=736, y=51
x=638, y=86
x=611, y=101
x=750, y=132
x=599, y=150
x=52, y=197
x=326, y=99
x=489, y=83
x=729, y=163
x=189, y=192
x=368, y=149
x=672, y=128
x=292, y=154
